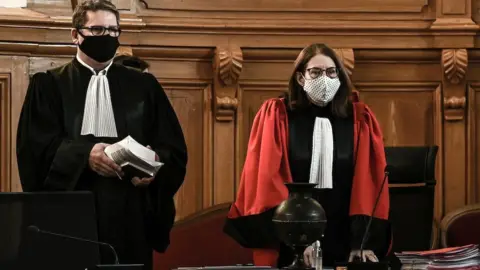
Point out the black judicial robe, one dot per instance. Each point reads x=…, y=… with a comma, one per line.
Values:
x=358, y=171
x=53, y=156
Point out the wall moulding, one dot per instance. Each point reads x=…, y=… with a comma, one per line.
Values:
x=231, y=24
x=249, y=54
x=31, y=49
x=398, y=86
x=394, y=55
x=392, y=6
x=248, y=35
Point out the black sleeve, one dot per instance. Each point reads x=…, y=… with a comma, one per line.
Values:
x=253, y=231
x=46, y=160
x=167, y=140
x=377, y=238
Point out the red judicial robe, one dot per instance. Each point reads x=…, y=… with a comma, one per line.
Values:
x=267, y=168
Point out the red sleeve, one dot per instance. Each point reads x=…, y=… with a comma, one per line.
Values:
x=370, y=163
x=265, y=257
x=266, y=169
x=265, y=172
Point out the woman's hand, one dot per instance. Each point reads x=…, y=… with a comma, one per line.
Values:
x=367, y=254
x=308, y=256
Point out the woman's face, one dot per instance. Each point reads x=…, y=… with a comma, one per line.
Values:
x=319, y=65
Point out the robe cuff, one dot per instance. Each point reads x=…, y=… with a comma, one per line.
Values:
x=253, y=231
x=377, y=239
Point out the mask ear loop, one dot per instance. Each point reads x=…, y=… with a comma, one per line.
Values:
x=304, y=77
x=80, y=33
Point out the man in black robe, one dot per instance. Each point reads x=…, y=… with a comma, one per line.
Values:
x=132, y=61
x=73, y=112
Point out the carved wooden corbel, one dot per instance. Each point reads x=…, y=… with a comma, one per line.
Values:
x=455, y=62
x=454, y=108
x=124, y=50
x=225, y=108
x=228, y=63
x=347, y=58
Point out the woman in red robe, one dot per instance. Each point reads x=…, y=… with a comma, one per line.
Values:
x=318, y=133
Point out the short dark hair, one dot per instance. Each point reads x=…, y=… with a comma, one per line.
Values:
x=132, y=62
x=79, y=18
x=296, y=95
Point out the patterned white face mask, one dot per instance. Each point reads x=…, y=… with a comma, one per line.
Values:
x=322, y=89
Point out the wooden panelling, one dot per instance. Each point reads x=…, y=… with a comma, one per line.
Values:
x=473, y=127
x=189, y=103
x=13, y=86
x=187, y=82
x=473, y=185
x=415, y=63
x=410, y=115
x=5, y=131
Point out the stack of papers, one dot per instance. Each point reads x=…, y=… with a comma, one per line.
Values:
x=454, y=258
x=135, y=159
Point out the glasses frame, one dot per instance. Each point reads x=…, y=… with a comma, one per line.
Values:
x=323, y=71
x=104, y=29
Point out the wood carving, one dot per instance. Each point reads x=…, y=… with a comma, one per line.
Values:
x=226, y=108
x=228, y=63
x=455, y=63
x=124, y=50
x=348, y=60
x=454, y=108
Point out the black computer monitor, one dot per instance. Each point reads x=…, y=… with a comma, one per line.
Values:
x=70, y=213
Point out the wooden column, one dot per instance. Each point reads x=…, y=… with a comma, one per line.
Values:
x=454, y=63
x=348, y=59
x=227, y=65
x=454, y=16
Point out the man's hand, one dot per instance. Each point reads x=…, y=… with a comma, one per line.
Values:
x=101, y=164
x=367, y=254
x=144, y=182
x=308, y=256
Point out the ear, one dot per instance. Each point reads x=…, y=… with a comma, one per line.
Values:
x=300, y=78
x=75, y=35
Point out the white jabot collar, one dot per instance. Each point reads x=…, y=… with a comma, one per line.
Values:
x=98, y=117
x=91, y=69
x=321, y=167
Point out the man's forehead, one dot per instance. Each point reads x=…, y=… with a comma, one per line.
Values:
x=101, y=18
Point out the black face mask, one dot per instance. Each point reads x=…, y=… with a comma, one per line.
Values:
x=99, y=48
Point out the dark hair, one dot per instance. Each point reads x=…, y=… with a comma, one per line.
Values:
x=79, y=18
x=131, y=62
x=297, y=97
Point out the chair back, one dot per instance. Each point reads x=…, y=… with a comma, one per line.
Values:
x=412, y=196
x=460, y=227
x=198, y=240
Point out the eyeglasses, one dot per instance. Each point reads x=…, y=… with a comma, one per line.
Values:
x=331, y=72
x=101, y=30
